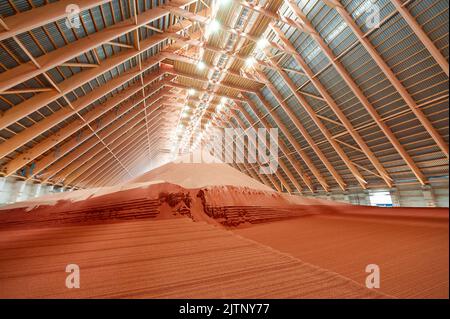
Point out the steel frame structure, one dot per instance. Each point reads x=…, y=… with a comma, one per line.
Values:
x=89, y=107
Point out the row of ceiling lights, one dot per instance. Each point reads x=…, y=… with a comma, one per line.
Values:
x=212, y=27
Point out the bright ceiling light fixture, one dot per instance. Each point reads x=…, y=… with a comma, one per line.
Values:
x=250, y=61
x=191, y=91
x=185, y=114
x=201, y=65
x=223, y=2
x=262, y=43
x=212, y=27
x=219, y=107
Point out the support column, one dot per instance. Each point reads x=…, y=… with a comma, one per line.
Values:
x=395, y=196
x=347, y=197
x=362, y=198
x=20, y=190
x=428, y=195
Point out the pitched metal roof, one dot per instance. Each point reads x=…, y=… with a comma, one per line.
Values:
x=357, y=105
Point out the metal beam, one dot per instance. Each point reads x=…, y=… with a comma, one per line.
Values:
x=283, y=166
x=80, y=65
x=38, y=101
x=87, y=152
x=103, y=168
x=250, y=169
x=284, y=149
x=122, y=110
x=333, y=105
x=135, y=161
x=188, y=40
x=280, y=143
x=394, y=80
x=304, y=132
x=91, y=146
x=27, y=90
x=133, y=142
x=119, y=178
x=316, y=119
x=189, y=60
x=200, y=90
x=30, y=133
x=99, y=161
x=291, y=139
x=308, y=28
x=423, y=37
x=166, y=68
x=40, y=16
x=131, y=126
x=26, y=71
x=135, y=145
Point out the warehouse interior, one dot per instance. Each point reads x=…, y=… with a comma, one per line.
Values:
x=95, y=95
